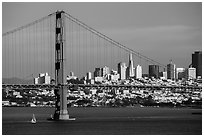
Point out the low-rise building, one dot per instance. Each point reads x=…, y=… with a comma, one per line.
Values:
x=43, y=78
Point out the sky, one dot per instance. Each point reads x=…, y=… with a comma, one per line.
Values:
x=160, y=31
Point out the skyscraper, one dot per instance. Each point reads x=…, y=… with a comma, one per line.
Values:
x=138, y=71
x=154, y=71
x=191, y=73
x=105, y=71
x=197, y=62
x=130, y=69
x=180, y=73
x=97, y=72
x=88, y=75
x=122, y=70
x=171, y=71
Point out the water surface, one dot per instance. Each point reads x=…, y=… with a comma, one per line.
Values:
x=104, y=121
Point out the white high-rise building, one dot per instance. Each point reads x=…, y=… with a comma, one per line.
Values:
x=165, y=75
x=36, y=81
x=138, y=71
x=105, y=71
x=122, y=70
x=88, y=76
x=191, y=73
x=130, y=67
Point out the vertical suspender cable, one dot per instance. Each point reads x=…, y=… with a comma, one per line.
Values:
x=9, y=55
x=15, y=55
x=28, y=52
x=49, y=59
x=90, y=50
x=4, y=52
x=86, y=47
x=112, y=55
x=71, y=45
x=19, y=57
x=51, y=47
x=12, y=49
x=79, y=55
x=72, y=42
x=19, y=49
x=21, y=54
x=26, y=47
x=41, y=47
x=23, y=59
x=82, y=52
x=104, y=51
x=78, y=48
x=36, y=49
x=97, y=55
x=44, y=54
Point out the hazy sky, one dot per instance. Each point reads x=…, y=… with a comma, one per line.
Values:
x=161, y=31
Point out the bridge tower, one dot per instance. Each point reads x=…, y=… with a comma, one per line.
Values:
x=61, y=112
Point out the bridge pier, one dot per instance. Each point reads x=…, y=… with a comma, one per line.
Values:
x=61, y=111
x=63, y=103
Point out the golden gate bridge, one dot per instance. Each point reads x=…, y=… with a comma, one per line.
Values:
x=60, y=43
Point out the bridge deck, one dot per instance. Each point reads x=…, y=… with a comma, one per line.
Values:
x=43, y=86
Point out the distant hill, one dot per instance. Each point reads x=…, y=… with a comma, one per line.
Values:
x=16, y=81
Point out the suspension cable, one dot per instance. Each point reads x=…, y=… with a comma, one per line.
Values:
x=28, y=25
x=111, y=40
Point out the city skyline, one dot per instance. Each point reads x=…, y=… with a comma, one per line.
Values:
x=161, y=31
x=134, y=71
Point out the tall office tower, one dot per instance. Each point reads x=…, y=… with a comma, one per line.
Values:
x=197, y=62
x=154, y=71
x=180, y=73
x=122, y=70
x=130, y=70
x=138, y=71
x=105, y=71
x=88, y=76
x=97, y=72
x=191, y=73
x=171, y=71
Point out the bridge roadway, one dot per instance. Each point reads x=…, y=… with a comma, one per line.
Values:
x=51, y=86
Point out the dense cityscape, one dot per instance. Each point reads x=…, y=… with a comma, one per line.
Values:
x=127, y=93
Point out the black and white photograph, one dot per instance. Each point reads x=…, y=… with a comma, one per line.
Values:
x=101, y=68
